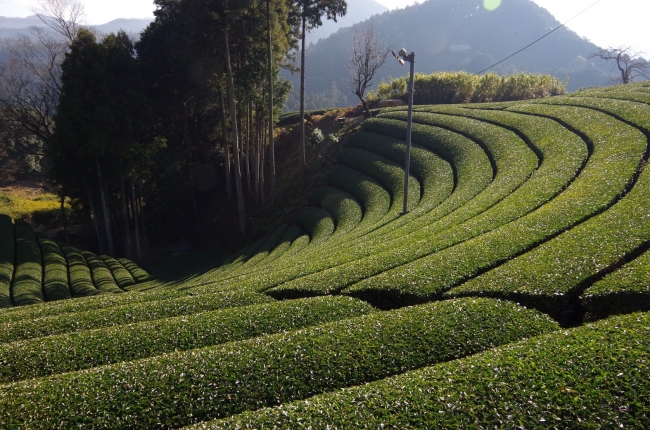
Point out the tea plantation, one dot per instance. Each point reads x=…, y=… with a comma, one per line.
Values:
x=513, y=294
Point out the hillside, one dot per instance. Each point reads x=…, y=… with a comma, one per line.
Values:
x=448, y=35
x=513, y=294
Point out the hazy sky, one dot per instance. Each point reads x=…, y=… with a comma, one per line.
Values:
x=608, y=23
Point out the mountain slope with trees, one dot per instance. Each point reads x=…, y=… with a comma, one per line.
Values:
x=452, y=35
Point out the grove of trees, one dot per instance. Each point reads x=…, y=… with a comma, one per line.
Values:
x=150, y=139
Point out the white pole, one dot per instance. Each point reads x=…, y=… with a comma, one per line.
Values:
x=407, y=162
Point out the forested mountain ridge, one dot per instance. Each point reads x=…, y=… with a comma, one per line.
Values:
x=455, y=35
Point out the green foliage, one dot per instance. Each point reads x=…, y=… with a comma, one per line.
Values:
x=125, y=314
x=101, y=301
x=123, y=277
x=81, y=281
x=617, y=150
x=7, y=258
x=317, y=223
x=344, y=208
x=137, y=272
x=55, y=271
x=375, y=201
x=182, y=388
x=550, y=273
x=462, y=87
x=102, y=277
x=81, y=350
x=28, y=278
x=624, y=291
x=388, y=174
x=585, y=377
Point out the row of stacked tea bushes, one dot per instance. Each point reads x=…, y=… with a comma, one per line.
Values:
x=513, y=294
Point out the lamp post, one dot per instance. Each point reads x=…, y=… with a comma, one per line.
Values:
x=402, y=57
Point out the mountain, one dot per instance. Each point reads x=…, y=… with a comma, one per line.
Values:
x=12, y=27
x=461, y=35
x=358, y=11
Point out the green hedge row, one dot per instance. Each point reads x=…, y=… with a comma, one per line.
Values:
x=388, y=174
x=317, y=223
x=288, y=238
x=552, y=272
x=81, y=281
x=138, y=273
x=125, y=314
x=344, y=208
x=183, y=388
x=472, y=170
x=56, y=285
x=27, y=284
x=374, y=199
x=102, y=277
x=513, y=160
x=49, y=309
x=617, y=151
x=560, y=165
x=268, y=244
x=75, y=351
x=434, y=173
x=588, y=377
x=623, y=291
x=123, y=277
x=7, y=258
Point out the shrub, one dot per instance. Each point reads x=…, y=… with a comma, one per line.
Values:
x=138, y=273
x=181, y=388
x=55, y=274
x=317, y=223
x=122, y=276
x=102, y=276
x=7, y=258
x=586, y=377
x=616, y=154
x=624, y=291
x=462, y=87
x=86, y=349
x=344, y=208
x=126, y=314
x=81, y=281
x=84, y=304
x=28, y=279
x=375, y=200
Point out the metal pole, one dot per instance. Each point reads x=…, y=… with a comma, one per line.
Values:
x=407, y=162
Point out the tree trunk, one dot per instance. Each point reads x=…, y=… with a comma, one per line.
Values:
x=135, y=222
x=93, y=213
x=107, y=219
x=125, y=215
x=302, y=88
x=235, y=146
x=365, y=105
x=270, y=89
x=226, y=147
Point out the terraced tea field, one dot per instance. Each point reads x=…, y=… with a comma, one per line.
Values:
x=514, y=294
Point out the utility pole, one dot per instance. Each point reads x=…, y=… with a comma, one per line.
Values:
x=402, y=57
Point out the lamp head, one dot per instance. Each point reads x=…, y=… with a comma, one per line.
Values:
x=402, y=53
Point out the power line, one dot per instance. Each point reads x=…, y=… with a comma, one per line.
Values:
x=531, y=44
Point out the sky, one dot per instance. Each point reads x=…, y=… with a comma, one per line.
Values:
x=608, y=23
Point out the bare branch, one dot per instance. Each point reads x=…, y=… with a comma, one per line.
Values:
x=367, y=56
x=63, y=16
x=629, y=63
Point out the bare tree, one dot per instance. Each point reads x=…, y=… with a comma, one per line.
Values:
x=368, y=55
x=62, y=16
x=629, y=63
x=30, y=77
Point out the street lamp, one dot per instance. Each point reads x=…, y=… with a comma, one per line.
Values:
x=401, y=58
